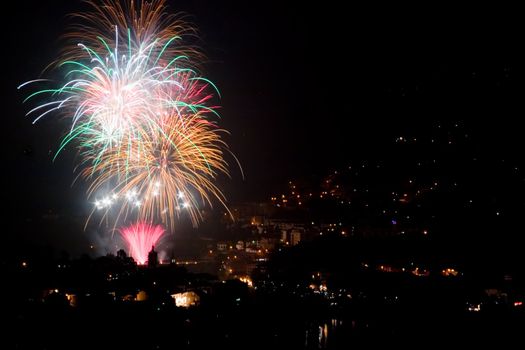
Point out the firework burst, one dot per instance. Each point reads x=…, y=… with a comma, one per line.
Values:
x=172, y=173
x=141, y=238
x=139, y=111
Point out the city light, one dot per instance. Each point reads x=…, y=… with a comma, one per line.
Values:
x=186, y=299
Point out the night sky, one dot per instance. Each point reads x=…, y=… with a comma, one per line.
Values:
x=306, y=90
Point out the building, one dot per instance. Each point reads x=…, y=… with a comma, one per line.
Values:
x=153, y=258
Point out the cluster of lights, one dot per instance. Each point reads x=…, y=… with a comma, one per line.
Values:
x=246, y=280
x=106, y=202
x=132, y=196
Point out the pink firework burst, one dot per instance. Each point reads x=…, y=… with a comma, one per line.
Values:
x=141, y=237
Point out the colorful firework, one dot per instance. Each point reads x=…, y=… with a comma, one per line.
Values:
x=140, y=112
x=141, y=238
x=172, y=174
x=134, y=23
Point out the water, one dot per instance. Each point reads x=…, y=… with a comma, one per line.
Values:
x=329, y=334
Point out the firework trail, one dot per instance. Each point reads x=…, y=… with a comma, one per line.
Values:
x=173, y=172
x=140, y=113
x=141, y=238
x=134, y=24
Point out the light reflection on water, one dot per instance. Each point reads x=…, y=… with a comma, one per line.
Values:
x=323, y=335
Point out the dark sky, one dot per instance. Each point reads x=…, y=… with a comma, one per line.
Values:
x=306, y=88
